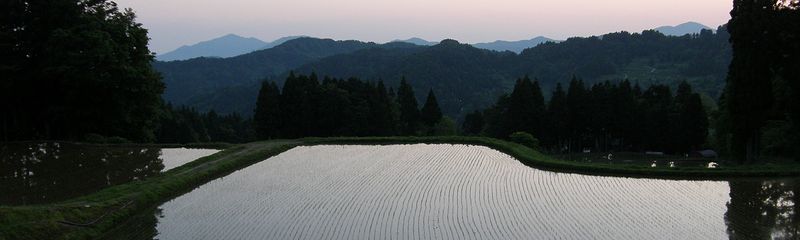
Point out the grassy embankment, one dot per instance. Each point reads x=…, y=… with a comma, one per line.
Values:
x=91, y=215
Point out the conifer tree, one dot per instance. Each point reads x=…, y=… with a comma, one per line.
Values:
x=266, y=118
x=690, y=125
x=557, y=132
x=383, y=118
x=430, y=113
x=409, y=112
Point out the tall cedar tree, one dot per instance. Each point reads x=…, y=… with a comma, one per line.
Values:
x=749, y=89
x=298, y=106
x=763, y=76
x=577, y=114
x=409, y=112
x=557, y=130
x=523, y=112
x=657, y=106
x=430, y=113
x=383, y=114
x=75, y=67
x=267, y=113
x=690, y=126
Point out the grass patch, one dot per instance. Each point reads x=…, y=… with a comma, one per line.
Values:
x=90, y=216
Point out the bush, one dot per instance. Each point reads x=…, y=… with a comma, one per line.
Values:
x=445, y=127
x=525, y=139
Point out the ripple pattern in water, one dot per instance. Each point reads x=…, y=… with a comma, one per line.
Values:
x=437, y=192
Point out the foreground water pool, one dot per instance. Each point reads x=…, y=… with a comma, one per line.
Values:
x=34, y=173
x=460, y=192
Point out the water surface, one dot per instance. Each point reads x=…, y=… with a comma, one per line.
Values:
x=460, y=192
x=34, y=173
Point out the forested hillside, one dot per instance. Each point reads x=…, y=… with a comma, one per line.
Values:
x=189, y=78
x=466, y=77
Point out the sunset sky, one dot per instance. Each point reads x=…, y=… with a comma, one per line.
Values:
x=180, y=22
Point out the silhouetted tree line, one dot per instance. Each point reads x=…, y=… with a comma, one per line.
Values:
x=306, y=107
x=70, y=68
x=187, y=125
x=761, y=102
x=603, y=117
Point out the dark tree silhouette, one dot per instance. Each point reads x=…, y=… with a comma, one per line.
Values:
x=267, y=113
x=409, y=112
x=763, y=36
x=430, y=112
x=690, y=122
x=71, y=68
x=473, y=123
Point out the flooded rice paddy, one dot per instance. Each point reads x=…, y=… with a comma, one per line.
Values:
x=460, y=192
x=34, y=173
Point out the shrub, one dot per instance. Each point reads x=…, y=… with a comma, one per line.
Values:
x=525, y=139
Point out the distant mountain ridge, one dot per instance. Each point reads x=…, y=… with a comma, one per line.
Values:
x=682, y=29
x=230, y=45
x=233, y=45
x=514, y=46
x=499, y=45
x=416, y=41
x=226, y=46
x=280, y=41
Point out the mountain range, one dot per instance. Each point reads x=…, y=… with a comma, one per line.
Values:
x=682, y=29
x=233, y=45
x=514, y=46
x=222, y=47
x=463, y=76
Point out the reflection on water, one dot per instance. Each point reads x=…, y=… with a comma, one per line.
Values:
x=763, y=210
x=575, y=206
x=34, y=173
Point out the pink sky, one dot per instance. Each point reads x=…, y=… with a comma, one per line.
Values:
x=173, y=23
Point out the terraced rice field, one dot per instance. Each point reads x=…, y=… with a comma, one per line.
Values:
x=436, y=192
x=175, y=157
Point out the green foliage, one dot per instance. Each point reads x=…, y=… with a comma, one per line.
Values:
x=445, y=127
x=75, y=67
x=186, y=125
x=526, y=139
